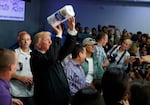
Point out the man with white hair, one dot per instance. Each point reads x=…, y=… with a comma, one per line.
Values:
x=50, y=82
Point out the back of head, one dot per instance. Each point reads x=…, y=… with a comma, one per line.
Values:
x=76, y=50
x=7, y=57
x=87, y=96
x=100, y=36
x=114, y=85
x=139, y=92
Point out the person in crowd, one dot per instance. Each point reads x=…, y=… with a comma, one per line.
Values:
x=102, y=39
x=91, y=66
x=105, y=29
x=139, y=92
x=74, y=71
x=94, y=32
x=22, y=83
x=99, y=28
x=86, y=33
x=50, y=83
x=86, y=30
x=119, y=55
x=8, y=65
x=113, y=37
x=124, y=35
x=139, y=35
x=148, y=46
x=134, y=68
x=138, y=69
x=87, y=96
x=114, y=86
x=143, y=41
x=145, y=66
x=110, y=43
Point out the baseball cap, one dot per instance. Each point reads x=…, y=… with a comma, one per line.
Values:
x=89, y=41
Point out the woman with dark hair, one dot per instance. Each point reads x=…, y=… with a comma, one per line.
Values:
x=87, y=96
x=114, y=86
x=139, y=92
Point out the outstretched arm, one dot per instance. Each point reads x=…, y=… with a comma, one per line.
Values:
x=145, y=58
x=70, y=41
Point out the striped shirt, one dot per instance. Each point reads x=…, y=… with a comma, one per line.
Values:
x=75, y=76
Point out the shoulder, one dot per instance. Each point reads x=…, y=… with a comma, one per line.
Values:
x=17, y=50
x=127, y=53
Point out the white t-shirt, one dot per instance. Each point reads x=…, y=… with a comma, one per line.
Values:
x=18, y=88
x=89, y=77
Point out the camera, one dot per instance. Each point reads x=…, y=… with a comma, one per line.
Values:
x=112, y=58
x=136, y=62
x=141, y=68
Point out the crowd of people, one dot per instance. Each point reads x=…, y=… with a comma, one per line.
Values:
x=103, y=67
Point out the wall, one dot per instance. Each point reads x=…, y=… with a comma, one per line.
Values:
x=130, y=15
x=32, y=24
x=132, y=18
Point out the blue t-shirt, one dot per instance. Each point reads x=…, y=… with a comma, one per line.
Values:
x=5, y=97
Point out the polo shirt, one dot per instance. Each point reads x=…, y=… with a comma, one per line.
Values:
x=5, y=97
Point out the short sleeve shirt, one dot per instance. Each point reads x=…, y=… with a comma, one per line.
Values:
x=5, y=97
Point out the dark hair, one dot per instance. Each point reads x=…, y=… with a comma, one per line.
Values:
x=77, y=49
x=97, y=84
x=140, y=92
x=100, y=36
x=87, y=96
x=139, y=32
x=114, y=85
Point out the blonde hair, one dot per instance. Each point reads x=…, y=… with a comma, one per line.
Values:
x=134, y=48
x=39, y=36
x=128, y=41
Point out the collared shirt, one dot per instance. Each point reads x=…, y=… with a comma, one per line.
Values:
x=19, y=89
x=5, y=97
x=97, y=71
x=75, y=76
x=100, y=53
x=122, y=64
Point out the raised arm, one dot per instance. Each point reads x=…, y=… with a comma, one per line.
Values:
x=70, y=41
x=58, y=30
x=145, y=58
